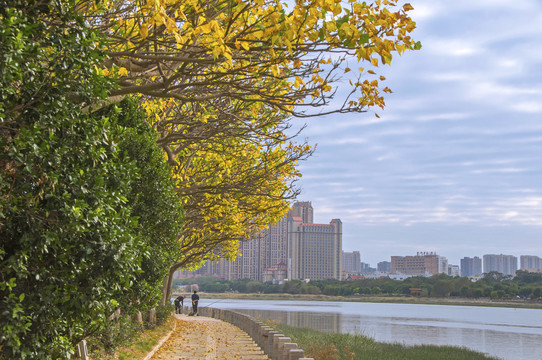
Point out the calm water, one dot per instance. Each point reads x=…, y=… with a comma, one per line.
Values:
x=514, y=334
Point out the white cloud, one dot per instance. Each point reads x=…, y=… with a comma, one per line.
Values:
x=425, y=11
x=532, y=107
x=498, y=170
x=347, y=141
x=444, y=116
x=449, y=76
x=444, y=46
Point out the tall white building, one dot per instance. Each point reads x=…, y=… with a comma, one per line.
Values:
x=442, y=265
x=504, y=264
x=530, y=262
x=453, y=270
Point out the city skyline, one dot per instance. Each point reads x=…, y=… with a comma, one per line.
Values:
x=451, y=165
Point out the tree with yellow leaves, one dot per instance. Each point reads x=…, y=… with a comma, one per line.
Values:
x=220, y=78
x=256, y=51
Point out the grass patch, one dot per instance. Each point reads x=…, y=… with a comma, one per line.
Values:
x=324, y=346
x=143, y=344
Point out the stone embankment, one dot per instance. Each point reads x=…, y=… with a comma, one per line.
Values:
x=225, y=334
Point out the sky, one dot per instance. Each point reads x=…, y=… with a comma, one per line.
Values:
x=453, y=165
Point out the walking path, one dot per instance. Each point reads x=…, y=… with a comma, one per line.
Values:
x=204, y=338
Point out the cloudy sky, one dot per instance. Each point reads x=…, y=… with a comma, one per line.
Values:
x=454, y=163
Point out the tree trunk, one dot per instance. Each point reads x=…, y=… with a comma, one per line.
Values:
x=165, y=291
x=168, y=283
x=151, y=316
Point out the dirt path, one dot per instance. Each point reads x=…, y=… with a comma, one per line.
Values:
x=198, y=337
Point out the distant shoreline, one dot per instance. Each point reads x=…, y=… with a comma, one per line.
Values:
x=456, y=301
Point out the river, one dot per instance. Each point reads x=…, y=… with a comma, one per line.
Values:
x=507, y=333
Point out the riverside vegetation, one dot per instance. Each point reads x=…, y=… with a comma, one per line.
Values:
x=324, y=346
x=524, y=285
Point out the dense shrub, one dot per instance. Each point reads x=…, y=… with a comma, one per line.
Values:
x=88, y=211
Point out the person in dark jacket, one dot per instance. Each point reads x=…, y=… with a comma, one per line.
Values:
x=195, y=299
x=179, y=304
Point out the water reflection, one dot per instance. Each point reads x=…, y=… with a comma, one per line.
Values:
x=506, y=333
x=326, y=322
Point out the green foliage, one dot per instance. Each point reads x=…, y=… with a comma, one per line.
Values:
x=163, y=312
x=83, y=198
x=115, y=333
x=152, y=199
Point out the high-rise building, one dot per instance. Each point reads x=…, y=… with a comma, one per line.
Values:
x=530, y=262
x=257, y=256
x=471, y=266
x=275, y=245
x=303, y=210
x=314, y=250
x=423, y=264
x=266, y=257
x=384, y=266
x=504, y=264
x=351, y=262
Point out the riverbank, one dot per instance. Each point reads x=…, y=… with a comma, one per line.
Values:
x=519, y=303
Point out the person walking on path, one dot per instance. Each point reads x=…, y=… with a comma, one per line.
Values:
x=179, y=304
x=195, y=299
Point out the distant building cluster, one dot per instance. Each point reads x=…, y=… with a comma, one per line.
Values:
x=423, y=264
x=298, y=249
x=293, y=249
x=427, y=264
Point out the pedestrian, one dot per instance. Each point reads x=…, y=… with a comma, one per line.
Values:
x=195, y=299
x=179, y=304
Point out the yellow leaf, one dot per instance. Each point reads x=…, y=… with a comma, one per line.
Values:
x=245, y=45
x=144, y=31
x=123, y=71
x=206, y=29
x=275, y=70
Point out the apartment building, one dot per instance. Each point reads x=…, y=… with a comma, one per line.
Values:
x=384, y=266
x=530, y=263
x=314, y=250
x=504, y=264
x=423, y=264
x=351, y=262
x=471, y=266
